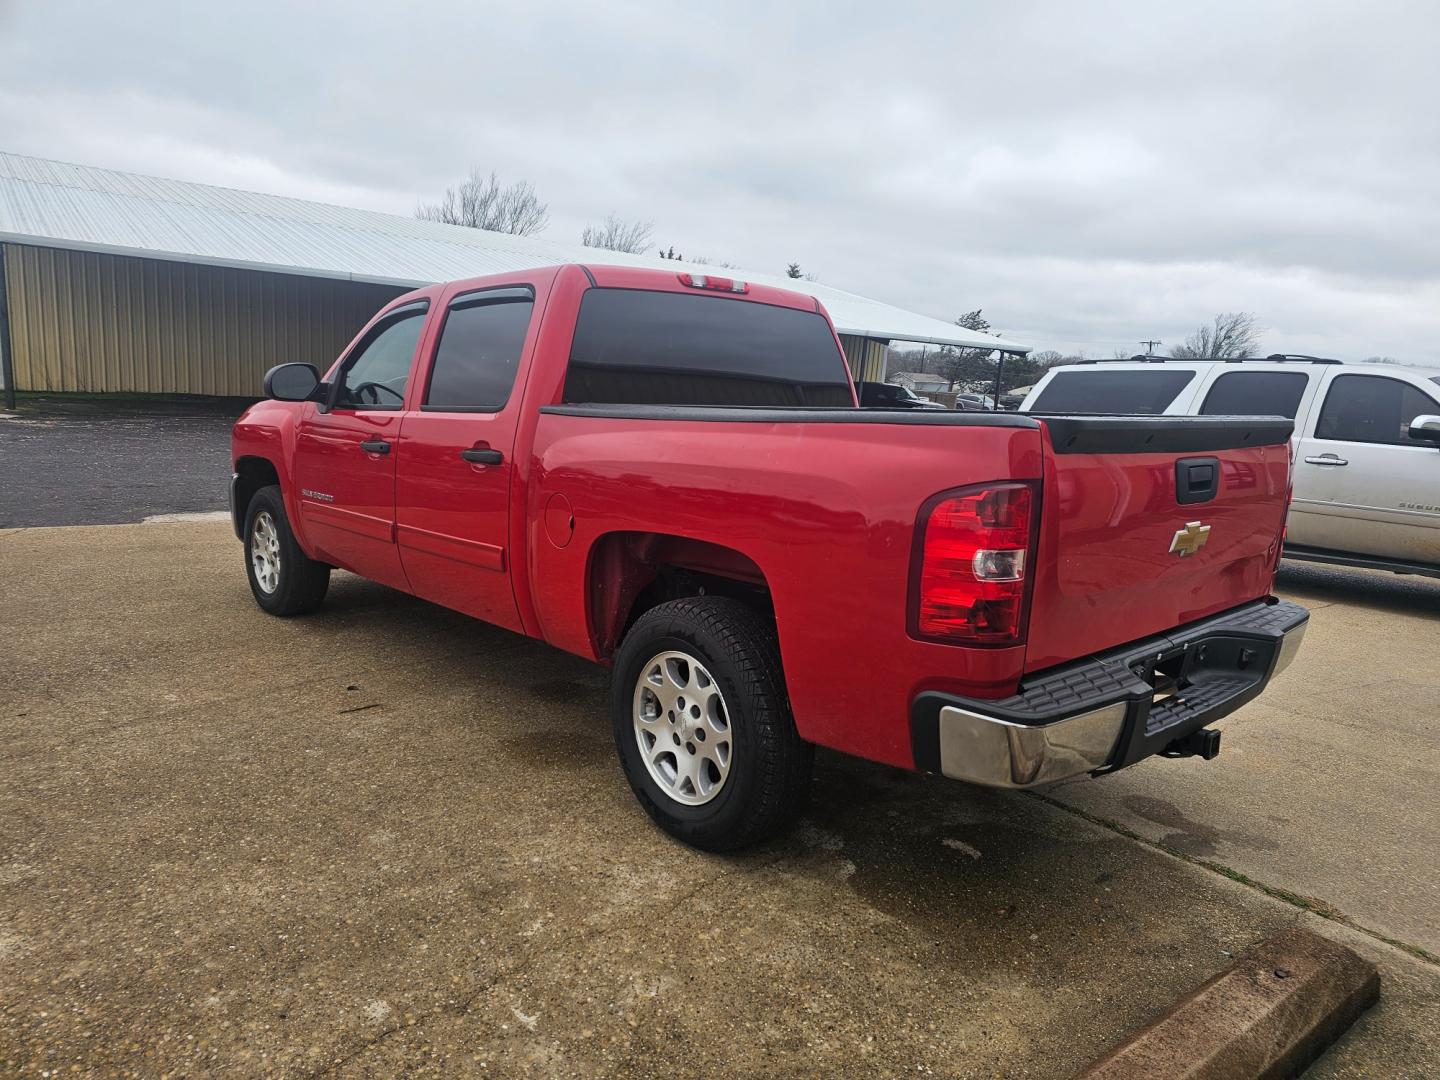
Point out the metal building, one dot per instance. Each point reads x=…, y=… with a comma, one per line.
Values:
x=115, y=282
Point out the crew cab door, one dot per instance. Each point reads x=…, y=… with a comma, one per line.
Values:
x=453, y=481
x=346, y=449
x=1362, y=485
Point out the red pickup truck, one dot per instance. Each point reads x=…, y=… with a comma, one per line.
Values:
x=668, y=474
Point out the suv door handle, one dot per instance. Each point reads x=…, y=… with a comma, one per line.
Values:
x=375, y=446
x=482, y=457
x=1326, y=459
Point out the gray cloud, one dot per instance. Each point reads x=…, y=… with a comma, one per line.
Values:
x=1088, y=174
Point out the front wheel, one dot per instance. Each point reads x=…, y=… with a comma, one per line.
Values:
x=703, y=725
x=283, y=578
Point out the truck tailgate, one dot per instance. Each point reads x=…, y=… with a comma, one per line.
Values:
x=1149, y=523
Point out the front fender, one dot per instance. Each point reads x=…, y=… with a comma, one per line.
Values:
x=267, y=432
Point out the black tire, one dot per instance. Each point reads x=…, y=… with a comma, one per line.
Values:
x=301, y=580
x=769, y=764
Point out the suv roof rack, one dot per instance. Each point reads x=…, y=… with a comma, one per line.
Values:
x=1273, y=358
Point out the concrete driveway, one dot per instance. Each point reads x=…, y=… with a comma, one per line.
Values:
x=1328, y=786
x=385, y=839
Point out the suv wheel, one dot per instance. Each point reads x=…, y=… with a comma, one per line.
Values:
x=703, y=726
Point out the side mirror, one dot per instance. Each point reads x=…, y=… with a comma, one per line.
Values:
x=1426, y=428
x=295, y=382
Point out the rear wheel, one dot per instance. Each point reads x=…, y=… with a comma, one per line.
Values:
x=703, y=725
x=284, y=580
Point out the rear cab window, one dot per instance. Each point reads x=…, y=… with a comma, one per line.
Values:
x=634, y=347
x=1126, y=392
x=1256, y=393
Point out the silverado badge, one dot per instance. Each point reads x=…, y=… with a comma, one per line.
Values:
x=1190, y=539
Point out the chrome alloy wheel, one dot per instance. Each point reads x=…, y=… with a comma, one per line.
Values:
x=682, y=728
x=265, y=552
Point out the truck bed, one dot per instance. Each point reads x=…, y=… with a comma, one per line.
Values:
x=823, y=503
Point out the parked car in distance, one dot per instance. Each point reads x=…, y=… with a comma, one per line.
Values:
x=669, y=474
x=1366, y=446
x=879, y=395
x=975, y=402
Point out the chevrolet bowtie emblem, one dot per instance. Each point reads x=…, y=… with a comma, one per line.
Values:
x=1190, y=539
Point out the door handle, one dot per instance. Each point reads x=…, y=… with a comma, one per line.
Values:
x=375, y=446
x=1326, y=459
x=477, y=456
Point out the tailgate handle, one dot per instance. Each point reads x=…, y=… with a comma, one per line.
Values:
x=1197, y=479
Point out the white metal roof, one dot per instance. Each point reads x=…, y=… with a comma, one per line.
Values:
x=52, y=204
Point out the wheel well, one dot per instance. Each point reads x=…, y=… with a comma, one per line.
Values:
x=632, y=572
x=251, y=474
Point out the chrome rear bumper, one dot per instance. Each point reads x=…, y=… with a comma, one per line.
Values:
x=1105, y=713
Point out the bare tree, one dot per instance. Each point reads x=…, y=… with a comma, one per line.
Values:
x=1046, y=358
x=1233, y=334
x=1381, y=360
x=616, y=234
x=481, y=203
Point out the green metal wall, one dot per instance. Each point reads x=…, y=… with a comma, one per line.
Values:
x=87, y=322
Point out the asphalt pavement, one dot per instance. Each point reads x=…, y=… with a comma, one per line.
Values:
x=101, y=461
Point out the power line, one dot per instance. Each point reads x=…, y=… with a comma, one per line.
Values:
x=1150, y=346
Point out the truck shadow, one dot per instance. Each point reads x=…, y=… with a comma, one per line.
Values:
x=1314, y=583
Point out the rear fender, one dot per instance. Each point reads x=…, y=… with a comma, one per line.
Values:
x=624, y=566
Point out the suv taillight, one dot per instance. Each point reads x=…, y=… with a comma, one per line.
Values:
x=971, y=582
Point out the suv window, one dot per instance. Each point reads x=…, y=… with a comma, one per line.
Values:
x=655, y=348
x=376, y=376
x=1095, y=390
x=1371, y=409
x=1256, y=393
x=479, y=350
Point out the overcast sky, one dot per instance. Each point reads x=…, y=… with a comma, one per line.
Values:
x=1088, y=174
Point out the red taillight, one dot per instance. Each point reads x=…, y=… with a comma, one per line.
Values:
x=718, y=284
x=972, y=574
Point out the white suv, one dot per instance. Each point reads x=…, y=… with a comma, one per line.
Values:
x=1366, y=446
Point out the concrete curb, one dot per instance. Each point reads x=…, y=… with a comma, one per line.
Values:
x=1268, y=1016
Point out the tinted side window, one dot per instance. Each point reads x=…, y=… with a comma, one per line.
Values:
x=1119, y=393
x=1371, y=409
x=376, y=376
x=479, y=351
x=1256, y=393
x=654, y=348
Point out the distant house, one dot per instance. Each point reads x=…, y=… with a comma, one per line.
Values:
x=920, y=382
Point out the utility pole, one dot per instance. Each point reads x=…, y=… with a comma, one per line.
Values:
x=1150, y=346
